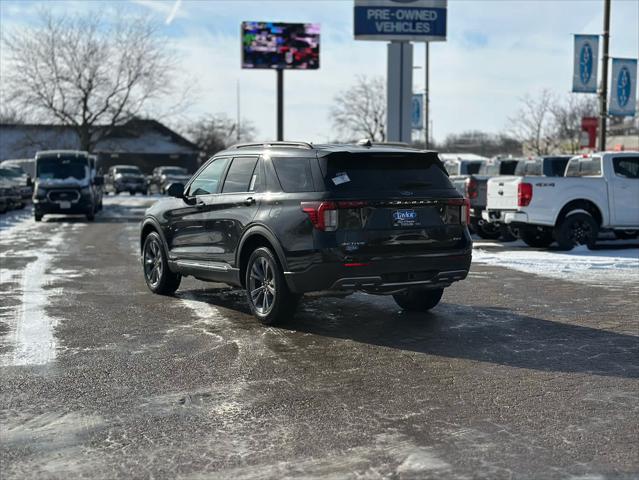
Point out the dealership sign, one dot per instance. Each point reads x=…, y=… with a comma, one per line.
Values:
x=584, y=77
x=623, y=87
x=410, y=20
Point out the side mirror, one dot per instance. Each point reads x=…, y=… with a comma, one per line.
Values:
x=29, y=181
x=176, y=190
x=98, y=180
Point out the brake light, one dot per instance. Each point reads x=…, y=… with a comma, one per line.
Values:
x=463, y=215
x=471, y=188
x=524, y=194
x=323, y=215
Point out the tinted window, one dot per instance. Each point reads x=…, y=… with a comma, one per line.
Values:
x=63, y=167
x=470, y=168
x=626, y=166
x=174, y=171
x=385, y=172
x=209, y=178
x=555, y=166
x=240, y=174
x=294, y=174
x=128, y=171
x=507, y=167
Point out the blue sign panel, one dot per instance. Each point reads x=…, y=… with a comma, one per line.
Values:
x=623, y=87
x=584, y=79
x=417, y=112
x=410, y=20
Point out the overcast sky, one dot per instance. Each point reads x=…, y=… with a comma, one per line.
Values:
x=496, y=52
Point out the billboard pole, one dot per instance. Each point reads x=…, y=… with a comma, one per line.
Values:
x=426, y=99
x=280, y=104
x=603, y=93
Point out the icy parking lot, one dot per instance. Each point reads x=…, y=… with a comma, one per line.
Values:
x=528, y=369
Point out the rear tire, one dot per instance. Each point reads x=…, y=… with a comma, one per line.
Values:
x=576, y=229
x=90, y=217
x=159, y=278
x=487, y=231
x=508, y=233
x=536, y=237
x=267, y=293
x=419, y=299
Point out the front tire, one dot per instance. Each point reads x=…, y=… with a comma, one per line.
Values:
x=159, y=278
x=419, y=299
x=577, y=229
x=267, y=293
x=536, y=237
x=38, y=217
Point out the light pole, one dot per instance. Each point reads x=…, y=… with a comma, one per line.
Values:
x=604, y=78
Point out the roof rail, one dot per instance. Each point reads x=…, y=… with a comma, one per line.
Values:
x=275, y=144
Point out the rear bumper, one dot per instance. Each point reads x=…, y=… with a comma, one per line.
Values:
x=504, y=216
x=386, y=276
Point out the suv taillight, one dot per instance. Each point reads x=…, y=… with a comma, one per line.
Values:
x=323, y=215
x=471, y=187
x=524, y=194
x=463, y=215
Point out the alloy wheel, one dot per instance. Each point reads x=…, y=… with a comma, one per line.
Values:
x=262, y=288
x=153, y=264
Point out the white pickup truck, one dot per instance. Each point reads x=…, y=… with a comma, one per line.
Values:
x=598, y=191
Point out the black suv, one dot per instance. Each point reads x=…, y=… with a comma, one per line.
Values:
x=285, y=218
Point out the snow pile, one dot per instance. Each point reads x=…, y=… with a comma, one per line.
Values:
x=595, y=267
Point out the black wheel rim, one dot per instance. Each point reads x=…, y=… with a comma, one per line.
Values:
x=580, y=232
x=262, y=287
x=153, y=264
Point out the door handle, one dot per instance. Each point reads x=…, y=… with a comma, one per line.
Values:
x=249, y=201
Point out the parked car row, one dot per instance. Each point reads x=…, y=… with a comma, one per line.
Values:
x=595, y=192
x=129, y=178
x=16, y=187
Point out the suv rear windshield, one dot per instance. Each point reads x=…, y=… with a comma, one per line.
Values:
x=62, y=168
x=384, y=172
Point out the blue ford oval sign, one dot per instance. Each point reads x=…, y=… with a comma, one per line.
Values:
x=623, y=87
x=584, y=77
x=585, y=63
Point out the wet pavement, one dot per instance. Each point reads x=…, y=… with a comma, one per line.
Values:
x=514, y=375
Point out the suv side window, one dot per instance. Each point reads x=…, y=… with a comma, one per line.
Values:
x=627, y=167
x=208, y=180
x=294, y=174
x=241, y=177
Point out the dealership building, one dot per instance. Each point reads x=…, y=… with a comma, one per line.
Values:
x=141, y=142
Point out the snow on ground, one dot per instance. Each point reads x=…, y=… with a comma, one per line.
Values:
x=606, y=267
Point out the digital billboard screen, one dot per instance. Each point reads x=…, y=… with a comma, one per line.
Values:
x=290, y=46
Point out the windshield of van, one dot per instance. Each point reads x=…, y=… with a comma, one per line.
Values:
x=385, y=172
x=127, y=171
x=63, y=168
x=174, y=171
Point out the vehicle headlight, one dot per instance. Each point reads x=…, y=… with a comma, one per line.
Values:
x=41, y=192
x=86, y=191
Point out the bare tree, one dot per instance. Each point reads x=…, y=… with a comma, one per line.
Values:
x=567, y=117
x=217, y=132
x=86, y=72
x=534, y=126
x=360, y=110
x=10, y=115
